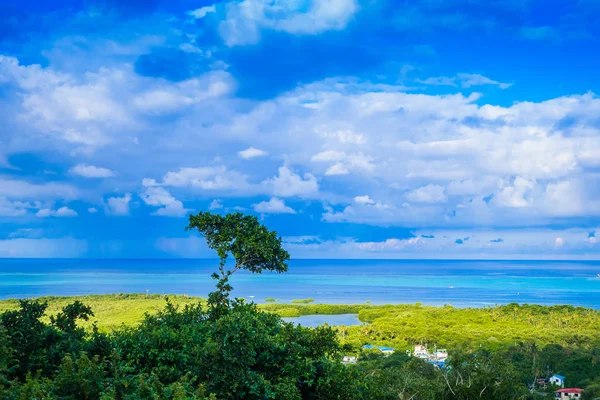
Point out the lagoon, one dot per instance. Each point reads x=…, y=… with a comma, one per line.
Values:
x=312, y=321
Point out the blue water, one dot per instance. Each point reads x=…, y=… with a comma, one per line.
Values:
x=460, y=283
x=312, y=321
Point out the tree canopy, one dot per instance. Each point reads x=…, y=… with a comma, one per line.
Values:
x=252, y=246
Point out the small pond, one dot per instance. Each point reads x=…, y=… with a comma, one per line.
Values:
x=312, y=321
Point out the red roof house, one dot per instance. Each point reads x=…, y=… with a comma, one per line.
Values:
x=568, y=393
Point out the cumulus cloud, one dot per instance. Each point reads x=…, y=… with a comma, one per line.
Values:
x=251, y=152
x=101, y=108
x=215, y=204
x=90, y=171
x=246, y=19
x=217, y=179
x=201, y=12
x=168, y=205
x=118, y=205
x=273, y=206
x=12, y=208
x=428, y=194
x=343, y=163
x=517, y=194
x=441, y=160
x=363, y=200
x=288, y=184
x=61, y=212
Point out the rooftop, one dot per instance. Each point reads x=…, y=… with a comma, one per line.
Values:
x=569, y=390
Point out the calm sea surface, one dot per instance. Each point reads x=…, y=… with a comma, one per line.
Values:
x=460, y=283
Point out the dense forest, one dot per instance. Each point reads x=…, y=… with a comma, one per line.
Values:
x=224, y=348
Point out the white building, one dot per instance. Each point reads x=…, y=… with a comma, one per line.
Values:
x=557, y=380
x=349, y=360
x=440, y=355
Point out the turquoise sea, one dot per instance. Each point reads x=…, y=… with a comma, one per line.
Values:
x=436, y=282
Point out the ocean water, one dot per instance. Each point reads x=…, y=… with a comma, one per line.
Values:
x=434, y=282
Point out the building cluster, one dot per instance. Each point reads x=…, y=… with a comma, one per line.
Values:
x=438, y=357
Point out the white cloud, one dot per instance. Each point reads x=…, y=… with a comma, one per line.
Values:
x=118, y=205
x=445, y=244
x=525, y=164
x=92, y=210
x=90, y=171
x=344, y=136
x=344, y=163
x=337, y=169
x=428, y=194
x=247, y=18
x=12, y=208
x=251, y=152
x=468, y=80
x=438, y=81
x=206, y=178
x=84, y=112
x=517, y=195
x=61, y=212
x=363, y=200
x=273, y=206
x=465, y=81
x=390, y=244
x=288, y=184
x=159, y=197
x=201, y=12
x=215, y=205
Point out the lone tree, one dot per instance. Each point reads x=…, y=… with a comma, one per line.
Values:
x=242, y=237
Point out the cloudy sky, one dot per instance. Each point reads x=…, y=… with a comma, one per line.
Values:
x=355, y=128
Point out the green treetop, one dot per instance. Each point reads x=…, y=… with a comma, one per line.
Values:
x=252, y=246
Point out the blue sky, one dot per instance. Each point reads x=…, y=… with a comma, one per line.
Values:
x=375, y=129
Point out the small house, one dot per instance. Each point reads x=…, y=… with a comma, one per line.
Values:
x=557, y=380
x=440, y=355
x=349, y=360
x=568, y=393
x=421, y=351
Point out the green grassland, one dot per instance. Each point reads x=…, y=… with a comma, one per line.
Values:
x=111, y=310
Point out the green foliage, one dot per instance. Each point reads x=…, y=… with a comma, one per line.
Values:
x=176, y=353
x=270, y=300
x=243, y=237
x=303, y=301
x=252, y=246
